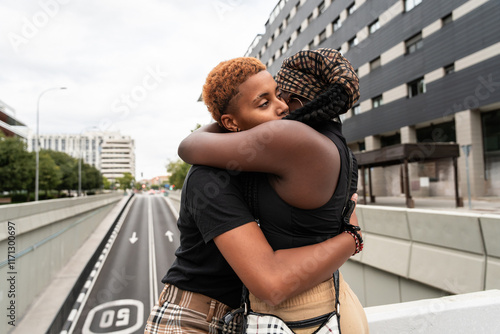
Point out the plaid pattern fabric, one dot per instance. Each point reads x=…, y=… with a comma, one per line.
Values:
x=268, y=324
x=309, y=73
x=179, y=311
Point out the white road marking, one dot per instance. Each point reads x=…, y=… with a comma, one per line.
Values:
x=153, y=280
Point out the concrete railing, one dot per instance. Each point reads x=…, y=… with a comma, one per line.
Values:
x=466, y=313
x=412, y=254
x=175, y=197
x=37, y=239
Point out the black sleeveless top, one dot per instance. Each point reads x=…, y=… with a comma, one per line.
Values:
x=286, y=226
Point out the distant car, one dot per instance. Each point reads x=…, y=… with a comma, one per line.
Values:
x=151, y=192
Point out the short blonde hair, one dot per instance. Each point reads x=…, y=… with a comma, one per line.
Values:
x=223, y=81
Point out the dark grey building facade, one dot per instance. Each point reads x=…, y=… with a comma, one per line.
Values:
x=429, y=72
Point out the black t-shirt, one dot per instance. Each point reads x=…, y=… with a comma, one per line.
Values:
x=212, y=203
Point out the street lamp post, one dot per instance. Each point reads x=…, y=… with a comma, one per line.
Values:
x=80, y=165
x=38, y=138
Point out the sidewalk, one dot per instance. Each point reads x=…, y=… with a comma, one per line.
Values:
x=486, y=205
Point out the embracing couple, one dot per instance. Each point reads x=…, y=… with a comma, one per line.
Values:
x=263, y=205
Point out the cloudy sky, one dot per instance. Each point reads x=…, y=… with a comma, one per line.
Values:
x=131, y=66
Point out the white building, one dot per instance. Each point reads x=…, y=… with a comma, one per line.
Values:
x=110, y=152
x=117, y=157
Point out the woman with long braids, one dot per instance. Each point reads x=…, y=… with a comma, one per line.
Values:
x=299, y=196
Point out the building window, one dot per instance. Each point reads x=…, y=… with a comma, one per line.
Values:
x=373, y=27
x=416, y=87
x=377, y=101
x=321, y=8
x=311, y=45
x=322, y=36
x=414, y=43
x=449, y=69
x=33, y=144
x=410, y=4
x=390, y=140
x=356, y=110
x=353, y=42
x=491, y=131
x=299, y=29
x=63, y=144
x=310, y=18
x=436, y=133
x=447, y=19
x=351, y=9
x=375, y=63
x=336, y=24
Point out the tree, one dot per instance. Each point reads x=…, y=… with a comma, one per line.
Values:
x=178, y=170
x=138, y=186
x=105, y=183
x=17, y=166
x=50, y=174
x=126, y=181
x=69, y=169
x=91, y=177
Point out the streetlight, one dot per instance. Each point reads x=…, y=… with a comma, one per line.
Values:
x=37, y=137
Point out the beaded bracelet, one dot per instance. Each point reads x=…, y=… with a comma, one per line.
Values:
x=358, y=240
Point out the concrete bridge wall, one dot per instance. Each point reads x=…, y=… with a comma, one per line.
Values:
x=42, y=236
x=413, y=254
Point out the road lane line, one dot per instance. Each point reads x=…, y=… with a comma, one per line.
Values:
x=153, y=281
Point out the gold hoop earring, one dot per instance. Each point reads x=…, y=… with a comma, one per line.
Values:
x=296, y=98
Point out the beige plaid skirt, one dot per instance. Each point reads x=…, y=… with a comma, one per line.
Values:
x=180, y=311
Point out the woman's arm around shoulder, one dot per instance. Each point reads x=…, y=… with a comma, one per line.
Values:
x=271, y=147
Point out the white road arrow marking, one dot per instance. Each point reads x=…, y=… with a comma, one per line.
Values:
x=133, y=239
x=169, y=234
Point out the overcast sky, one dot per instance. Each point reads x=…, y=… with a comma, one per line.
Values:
x=132, y=66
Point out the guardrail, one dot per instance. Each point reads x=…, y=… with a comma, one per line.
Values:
x=37, y=239
x=467, y=313
x=412, y=254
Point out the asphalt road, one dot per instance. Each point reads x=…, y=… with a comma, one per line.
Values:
x=127, y=281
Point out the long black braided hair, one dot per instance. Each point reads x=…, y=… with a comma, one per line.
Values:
x=325, y=107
